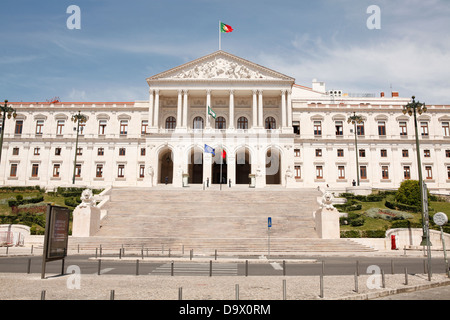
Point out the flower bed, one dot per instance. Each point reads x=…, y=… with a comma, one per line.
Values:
x=387, y=214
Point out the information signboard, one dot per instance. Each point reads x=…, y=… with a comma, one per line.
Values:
x=56, y=235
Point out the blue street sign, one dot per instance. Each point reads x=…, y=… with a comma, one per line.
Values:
x=269, y=222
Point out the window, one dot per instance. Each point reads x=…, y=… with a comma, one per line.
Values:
x=57, y=151
x=19, y=127
x=296, y=126
x=120, y=171
x=141, y=171
x=271, y=123
x=35, y=170
x=406, y=172
x=81, y=127
x=198, y=123
x=13, y=170
x=405, y=153
x=447, y=153
x=39, y=126
x=56, y=168
x=242, y=123
x=385, y=172
x=15, y=151
x=339, y=128
x=360, y=129
x=298, y=172
x=448, y=172
x=144, y=125
x=99, y=171
x=341, y=172
x=143, y=151
x=221, y=123
x=403, y=128
x=319, y=172
x=424, y=128
x=60, y=126
x=428, y=172
x=79, y=151
x=318, y=152
x=37, y=151
x=122, y=151
x=383, y=153
x=362, y=153
x=123, y=127
x=171, y=123
x=100, y=151
x=426, y=153
x=363, y=172
x=446, y=129
x=296, y=152
x=340, y=153
x=317, y=128
x=102, y=127
x=381, y=128
x=78, y=170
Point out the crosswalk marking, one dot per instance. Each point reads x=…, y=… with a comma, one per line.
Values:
x=197, y=269
x=276, y=266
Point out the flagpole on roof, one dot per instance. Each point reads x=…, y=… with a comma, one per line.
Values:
x=220, y=37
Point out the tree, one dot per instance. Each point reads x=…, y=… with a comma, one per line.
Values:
x=409, y=193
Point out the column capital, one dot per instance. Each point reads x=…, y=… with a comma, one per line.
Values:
x=185, y=91
x=231, y=91
x=208, y=91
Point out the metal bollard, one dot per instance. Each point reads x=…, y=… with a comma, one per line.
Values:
x=43, y=295
x=29, y=266
x=321, y=286
x=180, y=293
x=171, y=269
x=111, y=295
x=31, y=249
x=406, y=276
x=284, y=267
x=120, y=253
x=101, y=250
x=383, y=282
x=392, y=266
x=236, y=289
x=246, y=268
x=96, y=253
x=357, y=267
x=356, y=283
x=99, y=266
x=137, y=267
x=284, y=289
x=215, y=254
x=323, y=267
x=210, y=268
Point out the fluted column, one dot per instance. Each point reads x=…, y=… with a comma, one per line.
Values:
x=185, y=108
x=179, y=108
x=255, y=109
x=283, y=108
x=151, y=107
x=156, y=110
x=260, y=109
x=289, y=108
x=231, y=126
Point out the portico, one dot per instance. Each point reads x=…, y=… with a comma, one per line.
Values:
x=252, y=107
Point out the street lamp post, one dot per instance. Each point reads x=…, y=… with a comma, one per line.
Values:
x=7, y=111
x=356, y=119
x=78, y=118
x=412, y=108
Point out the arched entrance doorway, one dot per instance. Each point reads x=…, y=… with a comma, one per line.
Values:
x=165, y=166
x=219, y=166
x=273, y=166
x=195, y=166
x=243, y=166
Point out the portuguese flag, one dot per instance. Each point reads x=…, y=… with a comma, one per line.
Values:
x=225, y=28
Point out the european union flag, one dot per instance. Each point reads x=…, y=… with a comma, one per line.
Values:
x=208, y=149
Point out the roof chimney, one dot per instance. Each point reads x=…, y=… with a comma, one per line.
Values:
x=394, y=94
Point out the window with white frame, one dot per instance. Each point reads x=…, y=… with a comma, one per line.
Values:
x=298, y=172
x=446, y=129
x=39, y=126
x=428, y=172
x=403, y=128
x=317, y=128
x=424, y=128
x=102, y=126
x=60, y=126
x=121, y=171
x=123, y=127
x=56, y=168
x=341, y=172
x=319, y=172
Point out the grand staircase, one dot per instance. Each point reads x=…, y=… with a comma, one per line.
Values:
x=228, y=220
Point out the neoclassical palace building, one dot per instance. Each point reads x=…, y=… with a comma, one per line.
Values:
x=224, y=119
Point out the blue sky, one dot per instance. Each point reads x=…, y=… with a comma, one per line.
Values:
x=121, y=43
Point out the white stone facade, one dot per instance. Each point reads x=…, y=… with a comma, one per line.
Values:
x=270, y=128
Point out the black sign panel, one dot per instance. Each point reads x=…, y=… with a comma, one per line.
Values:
x=56, y=233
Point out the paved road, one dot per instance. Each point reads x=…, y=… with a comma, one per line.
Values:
x=307, y=266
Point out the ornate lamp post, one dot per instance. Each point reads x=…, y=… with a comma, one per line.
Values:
x=412, y=108
x=7, y=111
x=356, y=119
x=78, y=118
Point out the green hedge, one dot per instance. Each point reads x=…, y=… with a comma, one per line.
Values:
x=20, y=201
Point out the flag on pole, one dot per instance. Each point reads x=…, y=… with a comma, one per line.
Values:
x=224, y=154
x=211, y=112
x=208, y=149
x=225, y=28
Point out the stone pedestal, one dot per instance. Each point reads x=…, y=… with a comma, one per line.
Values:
x=86, y=221
x=327, y=223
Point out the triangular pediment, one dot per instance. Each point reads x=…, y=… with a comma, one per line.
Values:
x=220, y=65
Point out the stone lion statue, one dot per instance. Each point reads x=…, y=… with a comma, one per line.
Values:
x=87, y=199
x=327, y=200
